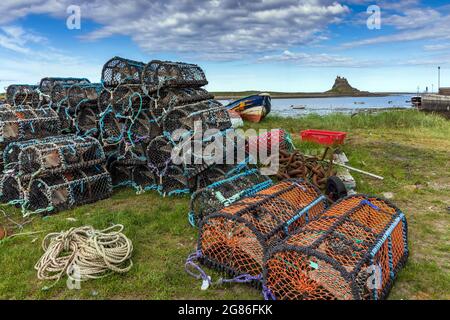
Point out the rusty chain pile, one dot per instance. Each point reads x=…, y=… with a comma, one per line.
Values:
x=296, y=165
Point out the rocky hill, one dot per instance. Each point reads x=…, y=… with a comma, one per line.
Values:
x=342, y=86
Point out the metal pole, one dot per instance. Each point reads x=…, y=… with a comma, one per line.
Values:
x=439, y=78
x=360, y=171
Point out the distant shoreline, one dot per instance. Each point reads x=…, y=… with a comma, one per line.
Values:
x=300, y=95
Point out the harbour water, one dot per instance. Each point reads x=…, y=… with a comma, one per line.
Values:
x=348, y=105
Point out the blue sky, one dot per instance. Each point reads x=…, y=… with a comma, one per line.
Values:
x=280, y=45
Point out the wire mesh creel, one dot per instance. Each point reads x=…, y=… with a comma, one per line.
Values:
x=235, y=239
x=169, y=98
x=20, y=94
x=53, y=155
x=86, y=120
x=173, y=182
x=11, y=189
x=46, y=85
x=158, y=74
x=203, y=115
x=358, y=241
x=58, y=95
x=217, y=173
x=66, y=190
x=124, y=100
x=181, y=96
x=140, y=177
x=197, y=154
x=225, y=192
x=27, y=123
x=79, y=94
x=122, y=71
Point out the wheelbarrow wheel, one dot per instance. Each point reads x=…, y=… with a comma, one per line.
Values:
x=336, y=188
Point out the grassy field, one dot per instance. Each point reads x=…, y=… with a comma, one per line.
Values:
x=411, y=150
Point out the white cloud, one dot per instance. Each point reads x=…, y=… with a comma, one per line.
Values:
x=412, y=22
x=437, y=47
x=316, y=60
x=206, y=28
x=32, y=69
x=15, y=38
x=34, y=58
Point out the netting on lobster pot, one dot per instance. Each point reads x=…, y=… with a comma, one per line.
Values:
x=213, y=174
x=169, y=98
x=197, y=154
x=181, y=96
x=235, y=239
x=132, y=154
x=159, y=155
x=157, y=74
x=11, y=189
x=235, y=161
x=124, y=100
x=66, y=119
x=86, y=94
x=122, y=71
x=112, y=130
x=143, y=178
x=173, y=182
x=225, y=192
x=353, y=251
x=47, y=84
x=28, y=123
x=23, y=94
x=6, y=106
x=66, y=190
x=12, y=151
x=53, y=155
x=121, y=175
x=139, y=177
x=141, y=128
x=140, y=131
x=86, y=119
x=58, y=94
x=203, y=115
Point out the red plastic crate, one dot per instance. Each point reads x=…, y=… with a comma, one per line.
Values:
x=323, y=137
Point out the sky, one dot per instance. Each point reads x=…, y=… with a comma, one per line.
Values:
x=266, y=45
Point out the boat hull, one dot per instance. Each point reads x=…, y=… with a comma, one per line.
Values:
x=254, y=114
x=253, y=108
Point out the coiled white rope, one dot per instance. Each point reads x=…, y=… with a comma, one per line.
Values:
x=84, y=253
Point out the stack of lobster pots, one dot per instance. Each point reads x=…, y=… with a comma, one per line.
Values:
x=46, y=167
x=142, y=106
x=287, y=240
x=131, y=118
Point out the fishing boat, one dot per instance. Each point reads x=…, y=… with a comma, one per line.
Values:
x=252, y=108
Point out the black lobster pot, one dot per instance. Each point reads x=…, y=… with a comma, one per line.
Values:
x=23, y=95
x=119, y=71
x=159, y=74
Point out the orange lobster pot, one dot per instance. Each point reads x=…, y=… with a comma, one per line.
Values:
x=235, y=239
x=352, y=252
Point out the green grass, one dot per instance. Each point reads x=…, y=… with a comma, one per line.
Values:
x=408, y=148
